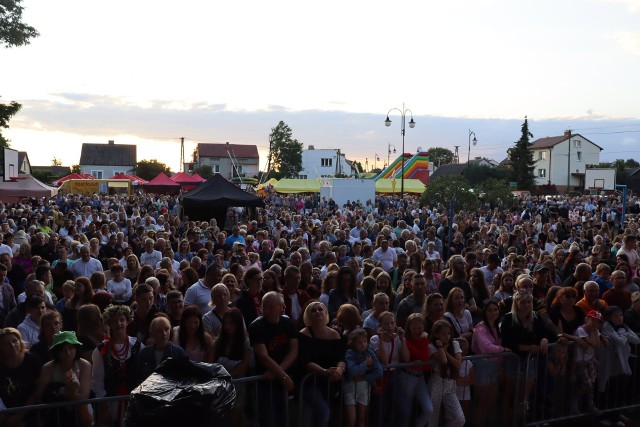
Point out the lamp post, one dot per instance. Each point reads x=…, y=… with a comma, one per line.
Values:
x=366, y=164
x=389, y=145
x=412, y=124
x=376, y=158
x=475, y=141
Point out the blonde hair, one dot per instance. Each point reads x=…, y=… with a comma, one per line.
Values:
x=14, y=331
x=306, y=317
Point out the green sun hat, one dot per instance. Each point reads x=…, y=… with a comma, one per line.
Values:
x=65, y=337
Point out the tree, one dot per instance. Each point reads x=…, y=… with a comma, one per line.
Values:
x=6, y=112
x=446, y=188
x=13, y=32
x=56, y=162
x=439, y=156
x=194, y=156
x=149, y=169
x=522, y=163
x=496, y=192
x=204, y=171
x=358, y=166
x=75, y=169
x=478, y=174
x=285, y=153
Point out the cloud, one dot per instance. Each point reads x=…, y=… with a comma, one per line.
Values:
x=628, y=41
x=97, y=118
x=632, y=5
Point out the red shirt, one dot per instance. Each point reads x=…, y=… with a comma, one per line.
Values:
x=419, y=351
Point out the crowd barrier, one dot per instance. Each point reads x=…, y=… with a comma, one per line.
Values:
x=504, y=390
x=558, y=397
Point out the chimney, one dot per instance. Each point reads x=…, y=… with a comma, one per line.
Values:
x=567, y=132
x=111, y=142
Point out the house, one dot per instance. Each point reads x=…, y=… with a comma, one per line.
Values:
x=325, y=163
x=105, y=160
x=447, y=170
x=632, y=179
x=230, y=160
x=483, y=161
x=25, y=164
x=562, y=160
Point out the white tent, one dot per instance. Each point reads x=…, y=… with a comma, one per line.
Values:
x=24, y=186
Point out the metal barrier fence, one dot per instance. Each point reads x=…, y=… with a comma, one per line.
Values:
x=568, y=387
x=258, y=402
x=488, y=396
x=500, y=390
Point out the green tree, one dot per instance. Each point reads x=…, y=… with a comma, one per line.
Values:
x=13, y=32
x=74, y=169
x=479, y=174
x=522, y=163
x=439, y=156
x=6, y=112
x=285, y=153
x=446, y=188
x=358, y=166
x=149, y=169
x=496, y=192
x=204, y=171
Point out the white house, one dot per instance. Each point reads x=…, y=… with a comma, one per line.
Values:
x=562, y=160
x=105, y=160
x=324, y=163
x=230, y=160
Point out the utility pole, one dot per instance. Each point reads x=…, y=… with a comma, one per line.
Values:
x=182, y=153
x=456, y=154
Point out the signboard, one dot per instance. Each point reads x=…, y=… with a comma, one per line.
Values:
x=513, y=184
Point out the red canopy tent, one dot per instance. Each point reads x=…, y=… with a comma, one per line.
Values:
x=161, y=184
x=198, y=177
x=59, y=181
x=186, y=181
x=135, y=180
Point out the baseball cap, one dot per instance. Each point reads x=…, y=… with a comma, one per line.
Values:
x=595, y=314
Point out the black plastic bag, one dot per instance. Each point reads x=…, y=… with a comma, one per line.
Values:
x=181, y=393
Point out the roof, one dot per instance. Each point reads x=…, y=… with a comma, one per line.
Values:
x=109, y=155
x=161, y=180
x=631, y=171
x=220, y=150
x=451, y=169
x=181, y=178
x=552, y=141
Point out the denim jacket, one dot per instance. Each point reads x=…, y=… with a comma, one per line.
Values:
x=356, y=365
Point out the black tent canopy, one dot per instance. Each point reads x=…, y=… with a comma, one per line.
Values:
x=211, y=200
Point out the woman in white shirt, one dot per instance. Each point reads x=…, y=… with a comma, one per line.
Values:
x=119, y=287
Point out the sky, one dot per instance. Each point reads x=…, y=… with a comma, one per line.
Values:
x=148, y=73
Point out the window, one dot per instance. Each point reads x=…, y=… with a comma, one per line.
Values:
x=577, y=143
x=542, y=155
x=326, y=162
x=239, y=170
x=119, y=172
x=542, y=173
x=96, y=174
x=302, y=176
x=579, y=153
x=215, y=168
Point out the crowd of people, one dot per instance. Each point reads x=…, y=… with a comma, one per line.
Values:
x=96, y=291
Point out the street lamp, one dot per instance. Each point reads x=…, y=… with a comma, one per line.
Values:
x=412, y=124
x=389, y=145
x=376, y=159
x=475, y=141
